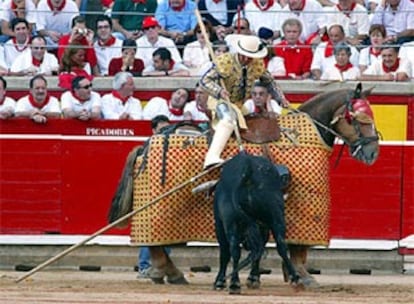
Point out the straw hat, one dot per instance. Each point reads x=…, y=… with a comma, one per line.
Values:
x=248, y=45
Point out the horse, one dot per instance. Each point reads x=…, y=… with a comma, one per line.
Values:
x=343, y=113
x=249, y=195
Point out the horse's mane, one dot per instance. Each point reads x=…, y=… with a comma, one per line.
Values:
x=321, y=99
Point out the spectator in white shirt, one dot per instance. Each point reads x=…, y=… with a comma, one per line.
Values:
x=172, y=108
x=261, y=101
x=18, y=44
x=106, y=46
x=372, y=53
x=407, y=53
x=164, y=65
x=151, y=41
x=197, y=109
x=7, y=104
x=81, y=102
x=38, y=105
x=37, y=61
x=196, y=53
x=11, y=9
x=121, y=104
x=343, y=68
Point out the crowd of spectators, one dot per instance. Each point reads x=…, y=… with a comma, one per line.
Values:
x=332, y=40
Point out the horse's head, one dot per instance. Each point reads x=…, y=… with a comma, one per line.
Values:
x=354, y=121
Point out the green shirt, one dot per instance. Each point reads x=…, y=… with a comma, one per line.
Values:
x=130, y=14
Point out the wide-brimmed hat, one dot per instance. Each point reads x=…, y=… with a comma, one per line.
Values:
x=149, y=21
x=248, y=45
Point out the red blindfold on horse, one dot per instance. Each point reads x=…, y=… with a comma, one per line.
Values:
x=359, y=110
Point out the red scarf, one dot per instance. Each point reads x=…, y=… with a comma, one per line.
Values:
x=178, y=9
x=343, y=68
x=217, y=1
x=108, y=43
x=35, y=104
x=257, y=109
x=117, y=95
x=392, y=68
x=263, y=8
x=36, y=62
x=297, y=11
x=172, y=62
x=13, y=5
x=17, y=46
x=346, y=12
x=140, y=1
x=329, y=49
x=374, y=52
x=174, y=111
x=56, y=9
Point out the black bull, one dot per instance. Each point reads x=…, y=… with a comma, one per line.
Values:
x=249, y=192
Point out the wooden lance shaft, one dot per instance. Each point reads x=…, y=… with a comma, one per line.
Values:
x=213, y=58
x=113, y=224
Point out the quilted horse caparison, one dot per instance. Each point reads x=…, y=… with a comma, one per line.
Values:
x=183, y=217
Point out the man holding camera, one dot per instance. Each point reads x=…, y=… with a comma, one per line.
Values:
x=80, y=34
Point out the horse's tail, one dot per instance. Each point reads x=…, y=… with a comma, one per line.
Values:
x=122, y=202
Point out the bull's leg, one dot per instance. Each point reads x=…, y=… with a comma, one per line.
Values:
x=278, y=234
x=235, y=251
x=220, y=282
x=298, y=256
x=253, y=280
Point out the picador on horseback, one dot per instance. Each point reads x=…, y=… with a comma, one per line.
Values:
x=231, y=79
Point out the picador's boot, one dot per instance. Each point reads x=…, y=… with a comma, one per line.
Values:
x=224, y=129
x=298, y=256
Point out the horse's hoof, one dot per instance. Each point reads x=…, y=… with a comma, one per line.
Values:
x=309, y=282
x=178, y=281
x=253, y=283
x=158, y=280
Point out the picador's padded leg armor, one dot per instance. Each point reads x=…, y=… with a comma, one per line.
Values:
x=224, y=129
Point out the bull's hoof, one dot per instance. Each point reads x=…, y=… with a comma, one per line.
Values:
x=253, y=282
x=178, y=281
x=158, y=280
x=235, y=289
x=219, y=285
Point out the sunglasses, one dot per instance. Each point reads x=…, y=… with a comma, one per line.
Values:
x=88, y=86
x=39, y=47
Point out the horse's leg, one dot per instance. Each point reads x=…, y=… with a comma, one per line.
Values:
x=298, y=256
x=159, y=264
x=174, y=275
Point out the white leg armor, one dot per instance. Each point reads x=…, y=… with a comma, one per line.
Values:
x=224, y=128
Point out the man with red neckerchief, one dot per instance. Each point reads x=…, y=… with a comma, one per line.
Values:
x=120, y=104
x=297, y=55
x=354, y=19
x=164, y=65
x=7, y=104
x=264, y=13
x=37, y=61
x=54, y=19
x=38, y=105
x=390, y=68
x=308, y=12
x=18, y=44
x=82, y=36
x=323, y=56
x=16, y=8
x=172, y=108
x=106, y=46
x=81, y=102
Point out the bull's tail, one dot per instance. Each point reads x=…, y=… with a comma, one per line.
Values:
x=122, y=202
x=254, y=241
